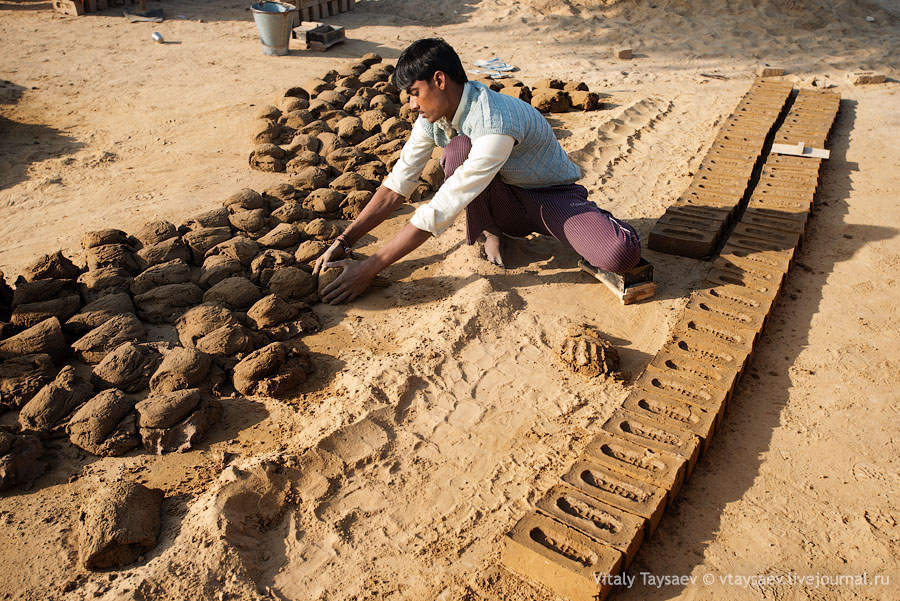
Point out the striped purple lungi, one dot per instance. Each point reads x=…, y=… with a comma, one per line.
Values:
x=563, y=212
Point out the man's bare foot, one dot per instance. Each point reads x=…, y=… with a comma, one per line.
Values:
x=492, y=246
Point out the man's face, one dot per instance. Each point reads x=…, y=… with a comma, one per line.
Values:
x=430, y=98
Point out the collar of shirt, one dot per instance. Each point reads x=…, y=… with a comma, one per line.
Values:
x=452, y=127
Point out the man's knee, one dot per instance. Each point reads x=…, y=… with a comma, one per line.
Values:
x=616, y=255
x=455, y=152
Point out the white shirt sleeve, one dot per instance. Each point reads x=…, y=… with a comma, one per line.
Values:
x=488, y=155
x=404, y=177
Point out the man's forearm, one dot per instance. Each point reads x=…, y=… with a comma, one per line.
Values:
x=384, y=202
x=407, y=240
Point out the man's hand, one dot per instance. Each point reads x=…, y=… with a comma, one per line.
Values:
x=333, y=253
x=352, y=282
x=357, y=275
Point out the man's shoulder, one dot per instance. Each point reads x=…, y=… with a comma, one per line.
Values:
x=490, y=105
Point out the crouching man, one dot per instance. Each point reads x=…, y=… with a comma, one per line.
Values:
x=503, y=166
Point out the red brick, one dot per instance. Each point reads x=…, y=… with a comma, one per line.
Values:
x=720, y=170
x=654, y=435
x=602, y=522
x=782, y=198
x=704, y=347
x=736, y=149
x=813, y=131
x=746, y=128
x=634, y=496
x=784, y=186
x=760, y=106
x=859, y=78
x=748, y=121
x=659, y=468
x=678, y=218
x=764, y=71
x=561, y=558
x=783, y=87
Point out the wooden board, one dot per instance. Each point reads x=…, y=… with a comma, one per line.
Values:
x=800, y=150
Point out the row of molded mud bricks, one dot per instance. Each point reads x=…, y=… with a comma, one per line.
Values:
x=314, y=10
x=79, y=7
x=694, y=224
x=587, y=529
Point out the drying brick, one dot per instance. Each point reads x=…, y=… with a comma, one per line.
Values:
x=654, y=435
x=634, y=496
x=602, y=522
x=668, y=382
x=669, y=411
x=659, y=468
x=561, y=558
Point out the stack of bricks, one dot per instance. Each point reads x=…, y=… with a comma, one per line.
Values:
x=79, y=7
x=316, y=10
x=694, y=224
x=587, y=529
x=759, y=251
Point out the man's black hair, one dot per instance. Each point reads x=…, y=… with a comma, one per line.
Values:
x=423, y=58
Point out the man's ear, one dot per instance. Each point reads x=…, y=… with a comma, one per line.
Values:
x=440, y=80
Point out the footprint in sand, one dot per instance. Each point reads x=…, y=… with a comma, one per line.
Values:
x=616, y=137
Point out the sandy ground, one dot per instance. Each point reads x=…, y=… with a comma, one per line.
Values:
x=440, y=393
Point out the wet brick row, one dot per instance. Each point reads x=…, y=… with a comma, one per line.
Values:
x=587, y=528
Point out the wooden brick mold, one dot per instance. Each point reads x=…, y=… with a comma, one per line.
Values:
x=561, y=558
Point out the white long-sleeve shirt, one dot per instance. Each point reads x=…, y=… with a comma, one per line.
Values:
x=488, y=154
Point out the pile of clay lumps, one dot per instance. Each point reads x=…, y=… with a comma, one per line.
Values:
x=342, y=132
x=137, y=344
x=549, y=95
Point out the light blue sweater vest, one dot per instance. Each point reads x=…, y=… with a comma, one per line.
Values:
x=537, y=159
